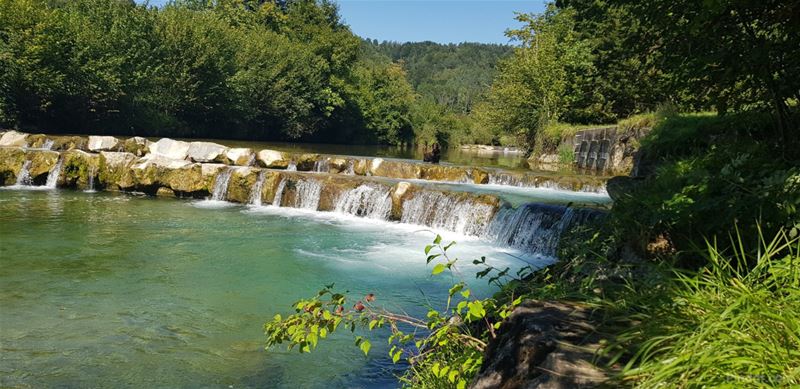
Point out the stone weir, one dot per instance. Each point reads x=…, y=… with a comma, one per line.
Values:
x=533, y=228
x=207, y=152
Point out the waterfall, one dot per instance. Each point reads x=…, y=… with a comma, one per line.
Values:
x=350, y=169
x=322, y=165
x=292, y=167
x=55, y=172
x=505, y=179
x=276, y=201
x=24, y=176
x=221, y=184
x=48, y=144
x=307, y=194
x=252, y=160
x=255, y=194
x=371, y=201
x=535, y=228
x=447, y=211
x=90, y=184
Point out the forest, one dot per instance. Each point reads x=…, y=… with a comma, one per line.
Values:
x=229, y=69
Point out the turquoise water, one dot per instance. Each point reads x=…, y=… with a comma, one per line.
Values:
x=115, y=290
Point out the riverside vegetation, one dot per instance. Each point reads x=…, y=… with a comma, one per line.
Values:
x=693, y=277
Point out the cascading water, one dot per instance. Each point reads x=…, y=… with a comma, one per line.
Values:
x=220, y=190
x=252, y=160
x=255, y=194
x=276, y=201
x=48, y=144
x=449, y=212
x=370, y=201
x=292, y=166
x=307, y=194
x=55, y=172
x=505, y=179
x=534, y=228
x=90, y=184
x=24, y=176
x=350, y=168
x=322, y=165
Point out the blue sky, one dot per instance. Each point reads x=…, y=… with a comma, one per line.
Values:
x=443, y=21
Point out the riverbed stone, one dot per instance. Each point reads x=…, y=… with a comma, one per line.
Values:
x=78, y=167
x=207, y=152
x=114, y=170
x=136, y=145
x=305, y=162
x=14, y=139
x=11, y=160
x=401, y=192
x=102, y=143
x=272, y=159
x=241, y=156
x=41, y=163
x=240, y=187
x=169, y=148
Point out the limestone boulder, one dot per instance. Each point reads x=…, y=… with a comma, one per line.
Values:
x=333, y=188
x=11, y=160
x=39, y=141
x=136, y=145
x=445, y=173
x=305, y=162
x=361, y=167
x=169, y=148
x=241, y=156
x=400, y=193
x=395, y=169
x=480, y=176
x=272, y=159
x=80, y=168
x=114, y=170
x=102, y=143
x=181, y=176
x=42, y=161
x=207, y=152
x=240, y=187
x=14, y=139
x=272, y=180
x=64, y=143
x=338, y=165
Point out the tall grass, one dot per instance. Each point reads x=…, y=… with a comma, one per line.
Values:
x=734, y=323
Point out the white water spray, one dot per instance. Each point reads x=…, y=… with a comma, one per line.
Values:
x=55, y=172
x=220, y=190
x=370, y=201
x=255, y=194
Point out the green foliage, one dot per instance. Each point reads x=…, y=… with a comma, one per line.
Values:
x=444, y=349
x=734, y=322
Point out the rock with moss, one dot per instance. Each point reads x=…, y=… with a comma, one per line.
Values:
x=42, y=161
x=444, y=173
x=305, y=162
x=102, y=143
x=136, y=145
x=272, y=159
x=114, y=170
x=80, y=168
x=333, y=188
x=480, y=176
x=240, y=187
x=395, y=169
x=165, y=192
x=272, y=180
x=11, y=160
x=183, y=177
x=338, y=165
x=64, y=143
x=14, y=139
x=37, y=141
x=361, y=166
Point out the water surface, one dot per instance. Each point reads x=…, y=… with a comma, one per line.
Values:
x=114, y=290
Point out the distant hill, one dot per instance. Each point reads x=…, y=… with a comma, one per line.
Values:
x=452, y=75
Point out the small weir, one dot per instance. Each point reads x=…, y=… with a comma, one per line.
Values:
x=370, y=201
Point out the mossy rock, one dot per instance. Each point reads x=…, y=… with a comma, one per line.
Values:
x=480, y=176
x=401, y=192
x=115, y=170
x=361, y=166
x=11, y=160
x=395, y=169
x=78, y=167
x=305, y=162
x=42, y=161
x=444, y=173
x=240, y=187
x=188, y=179
x=271, y=181
x=165, y=192
x=333, y=187
x=136, y=145
x=64, y=143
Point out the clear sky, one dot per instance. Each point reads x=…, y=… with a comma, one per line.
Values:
x=443, y=21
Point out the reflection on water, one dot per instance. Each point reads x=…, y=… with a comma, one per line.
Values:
x=105, y=290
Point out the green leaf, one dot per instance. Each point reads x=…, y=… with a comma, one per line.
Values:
x=438, y=269
x=438, y=239
x=428, y=249
x=372, y=324
x=461, y=384
x=365, y=346
x=452, y=376
x=396, y=356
